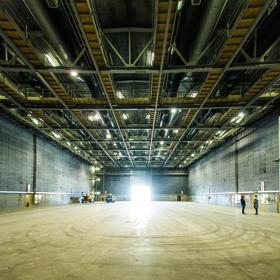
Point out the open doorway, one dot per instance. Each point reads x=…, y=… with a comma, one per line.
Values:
x=140, y=193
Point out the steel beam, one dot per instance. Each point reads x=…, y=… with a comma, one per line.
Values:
x=160, y=77
x=198, y=68
x=97, y=68
x=40, y=77
x=225, y=69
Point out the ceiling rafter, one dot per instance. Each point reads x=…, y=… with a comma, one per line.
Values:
x=87, y=20
x=240, y=32
x=14, y=37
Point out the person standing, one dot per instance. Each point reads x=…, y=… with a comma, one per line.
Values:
x=243, y=204
x=256, y=204
x=82, y=197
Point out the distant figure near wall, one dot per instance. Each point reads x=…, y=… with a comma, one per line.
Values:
x=256, y=204
x=243, y=204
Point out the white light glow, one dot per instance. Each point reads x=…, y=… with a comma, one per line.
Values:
x=173, y=111
x=73, y=73
x=140, y=194
x=161, y=142
x=237, y=119
x=119, y=94
x=52, y=61
x=175, y=131
x=35, y=121
x=108, y=136
x=56, y=135
x=125, y=116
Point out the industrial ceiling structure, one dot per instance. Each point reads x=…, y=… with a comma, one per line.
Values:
x=139, y=83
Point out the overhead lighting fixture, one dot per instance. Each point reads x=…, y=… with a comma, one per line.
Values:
x=220, y=132
x=115, y=144
x=150, y=57
x=237, y=119
x=175, y=131
x=75, y=148
x=148, y=116
x=193, y=94
x=125, y=116
x=173, y=110
x=73, y=73
x=35, y=121
x=94, y=117
x=68, y=144
x=109, y=136
x=119, y=94
x=51, y=60
x=161, y=142
x=193, y=154
x=56, y=135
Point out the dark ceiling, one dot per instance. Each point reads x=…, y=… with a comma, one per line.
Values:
x=142, y=83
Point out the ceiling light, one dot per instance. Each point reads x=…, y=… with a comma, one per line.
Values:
x=237, y=119
x=175, y=131
x=119, y=94
x=148, y=116
x=115, y=144
x=35, y=121
x=98, y=179
x=125, y=116
x=180, y=5
x=75, y=148
x=193, y=154
x=56, y=135
x=51, y=59
x=108, y=136
x=73, y=73
x=193, y=93
x=161, y=142
x=150, y=57
x=173, y=111
x=91, y=118
x=68, y=143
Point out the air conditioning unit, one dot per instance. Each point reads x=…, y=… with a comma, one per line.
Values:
x=196, y=2
x=52, y=3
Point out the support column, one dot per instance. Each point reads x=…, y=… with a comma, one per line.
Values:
x=34, y=182
x=236, y=166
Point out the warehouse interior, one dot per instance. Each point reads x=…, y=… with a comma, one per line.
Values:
x=171, y=106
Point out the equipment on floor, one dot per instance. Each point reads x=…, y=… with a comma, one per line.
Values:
x=110, y=198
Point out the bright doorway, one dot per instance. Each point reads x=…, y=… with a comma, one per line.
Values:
x=140, y=194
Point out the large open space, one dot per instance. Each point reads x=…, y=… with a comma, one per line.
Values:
x=139, y=139
x=162, y=240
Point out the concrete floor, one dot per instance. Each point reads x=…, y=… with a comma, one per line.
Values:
x=118, y=241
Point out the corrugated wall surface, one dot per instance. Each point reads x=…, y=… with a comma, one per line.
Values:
x=241, y=164
x=16, y=157
x=57, y=170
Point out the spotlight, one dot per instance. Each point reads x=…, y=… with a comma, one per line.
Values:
x=73, y=73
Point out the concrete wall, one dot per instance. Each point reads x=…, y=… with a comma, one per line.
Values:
x=53, y=173
x=163, y=187
x=240, y=166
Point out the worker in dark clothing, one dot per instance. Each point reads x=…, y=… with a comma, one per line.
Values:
x=256, y=204
x=243, y=204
